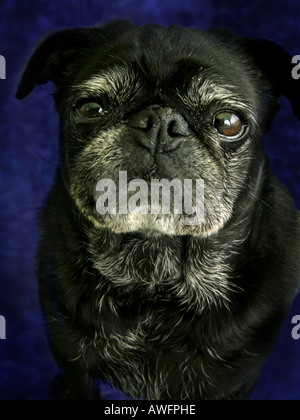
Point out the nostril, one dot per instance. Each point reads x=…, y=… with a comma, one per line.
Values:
x=148, y=124
x=144, y=122
x=174, y=129
x=178, y=128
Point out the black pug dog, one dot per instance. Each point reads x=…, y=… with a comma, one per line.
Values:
x=162, y=308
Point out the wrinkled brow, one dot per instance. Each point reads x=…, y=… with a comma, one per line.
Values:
x=115, y=81
x=203, y=90
x=207, y=91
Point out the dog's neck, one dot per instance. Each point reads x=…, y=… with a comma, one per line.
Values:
x=195, y=271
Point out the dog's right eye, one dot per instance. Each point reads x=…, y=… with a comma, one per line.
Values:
x=228, y=124
x=89, y=110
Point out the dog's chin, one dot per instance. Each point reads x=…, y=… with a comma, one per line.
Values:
x=155, y=225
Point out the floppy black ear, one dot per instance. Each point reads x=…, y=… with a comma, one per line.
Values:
x=277, y=66
x=50, y=59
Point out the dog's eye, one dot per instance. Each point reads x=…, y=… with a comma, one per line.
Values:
x=89, y=110
x=228, y=124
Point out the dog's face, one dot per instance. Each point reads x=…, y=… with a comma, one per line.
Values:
x=162, y=103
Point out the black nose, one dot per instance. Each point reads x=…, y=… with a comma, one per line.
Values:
x=160, y=129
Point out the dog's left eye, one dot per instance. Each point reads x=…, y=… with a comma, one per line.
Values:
x=89, y=110
x=228, y=124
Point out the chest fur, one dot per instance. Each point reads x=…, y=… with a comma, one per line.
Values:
x=178, y=269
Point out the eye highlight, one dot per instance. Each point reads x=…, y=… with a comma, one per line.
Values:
x=229, y=124
x=88, y=110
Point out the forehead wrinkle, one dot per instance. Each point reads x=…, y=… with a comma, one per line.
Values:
x=208, y=91
x=96, y=83
x=205, y=91
x=116, y=80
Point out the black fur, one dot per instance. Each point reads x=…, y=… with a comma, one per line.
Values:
x=160, y=309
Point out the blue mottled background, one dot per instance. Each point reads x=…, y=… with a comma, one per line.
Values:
x=28, y=154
